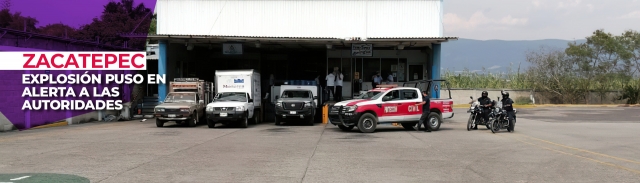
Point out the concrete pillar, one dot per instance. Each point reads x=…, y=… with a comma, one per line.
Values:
x=162, y=68
x=435, y=70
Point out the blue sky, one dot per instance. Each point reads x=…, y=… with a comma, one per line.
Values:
x=538, y=19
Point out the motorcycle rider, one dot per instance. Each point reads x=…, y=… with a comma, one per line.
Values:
x=507, y=105
x=485, y=106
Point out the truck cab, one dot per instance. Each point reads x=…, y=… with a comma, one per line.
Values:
x=296, y=103
x=392, y=104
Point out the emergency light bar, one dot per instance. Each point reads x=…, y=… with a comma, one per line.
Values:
x=387, y=86
x=186, y=79
x=184, y=86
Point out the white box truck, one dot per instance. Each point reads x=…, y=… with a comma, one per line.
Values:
x=237, y=98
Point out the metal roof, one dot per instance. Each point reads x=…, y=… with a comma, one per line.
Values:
x=226, y=37
x=302, y=19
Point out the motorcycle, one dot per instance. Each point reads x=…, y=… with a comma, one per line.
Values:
x=475, y=117
x=499, y=119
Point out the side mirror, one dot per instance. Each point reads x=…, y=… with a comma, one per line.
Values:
x=385, y=98
x=315, y=97
x=250, y=100
x=471, y=97
x=277, y=97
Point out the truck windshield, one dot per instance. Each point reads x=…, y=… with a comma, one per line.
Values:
x=180, y=97
x=296, y=94
x=369, y=95
x=377, y=96
x=232, y=96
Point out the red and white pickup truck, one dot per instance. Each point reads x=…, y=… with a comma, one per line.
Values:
x=390, y=104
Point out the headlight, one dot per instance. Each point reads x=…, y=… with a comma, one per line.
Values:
x=184, y=110
x=209, y=108
x=351, y=108
x=307, y=104
x=279, y=104
x=159, y=110
x=241, y=108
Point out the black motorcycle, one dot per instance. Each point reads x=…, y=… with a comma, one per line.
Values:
x=499, y=119
x=475, y=117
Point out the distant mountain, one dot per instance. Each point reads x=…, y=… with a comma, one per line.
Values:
x=494, y=55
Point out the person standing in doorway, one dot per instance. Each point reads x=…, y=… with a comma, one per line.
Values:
x=331, y=83
x=426, y=106
x=377, y=79
x=390, y=78
x=338, y=78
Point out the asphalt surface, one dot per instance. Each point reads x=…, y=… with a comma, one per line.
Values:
x=548, y=145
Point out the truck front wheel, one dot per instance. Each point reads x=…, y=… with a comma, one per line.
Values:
x=244, y=123
x=367, y=123
x=159, y=123
x=193, y=121
x=211, y=124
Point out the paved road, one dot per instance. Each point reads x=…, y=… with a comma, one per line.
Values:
x=549, y=145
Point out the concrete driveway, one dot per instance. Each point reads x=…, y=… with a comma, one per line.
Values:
x=549, y=145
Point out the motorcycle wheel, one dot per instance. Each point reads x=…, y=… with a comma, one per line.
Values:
x=494, y=126
x=470, y=123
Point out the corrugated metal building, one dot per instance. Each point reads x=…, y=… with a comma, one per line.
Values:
x=301, y=39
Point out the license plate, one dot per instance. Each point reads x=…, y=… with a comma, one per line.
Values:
x=171, y=115
x=292, y=112
x=223, y=114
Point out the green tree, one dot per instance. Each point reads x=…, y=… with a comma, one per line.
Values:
x=596, y=61
x=153, y=26
x=58, y=30
x=118, y=18
x=5, y=18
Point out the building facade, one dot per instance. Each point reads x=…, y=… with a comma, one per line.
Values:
x=301, y=39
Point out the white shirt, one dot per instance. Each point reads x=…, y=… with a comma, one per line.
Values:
x=339, y=82
x=330, y=79
x=390, y=78
x=377, y=79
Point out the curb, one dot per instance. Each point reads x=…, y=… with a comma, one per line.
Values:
x=62, y=123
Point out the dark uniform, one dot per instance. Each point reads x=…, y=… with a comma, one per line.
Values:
x=484, y=100
x=507, y=105
x=425, y=113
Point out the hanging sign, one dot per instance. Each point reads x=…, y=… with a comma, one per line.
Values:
x=362, y=50
x=232, y=48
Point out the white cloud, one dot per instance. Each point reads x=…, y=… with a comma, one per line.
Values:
x=536, y=3
x=569, y=4
x=453, y=22
x=590, y=7
x=493, y=67
x=635, y=14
